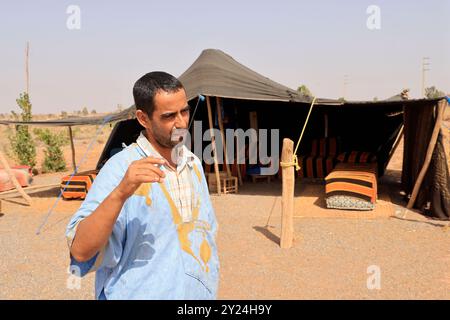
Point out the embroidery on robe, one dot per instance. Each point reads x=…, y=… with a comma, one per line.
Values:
x=185, y=228
x=145, y=188
x=144, y=191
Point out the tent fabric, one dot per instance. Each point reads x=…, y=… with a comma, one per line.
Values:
x=215, y=73
x=433, y=198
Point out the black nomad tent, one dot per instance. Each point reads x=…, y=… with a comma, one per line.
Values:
x=240, y=93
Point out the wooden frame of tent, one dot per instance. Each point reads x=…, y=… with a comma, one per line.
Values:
x=214, y=146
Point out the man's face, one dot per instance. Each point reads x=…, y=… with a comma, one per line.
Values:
x=171, y=112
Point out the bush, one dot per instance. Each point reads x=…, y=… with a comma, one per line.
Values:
x=54, y=158
x=22, y=144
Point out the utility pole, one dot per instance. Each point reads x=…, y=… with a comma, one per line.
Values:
x=346, y=82
x=425, y=68
x=27, y=71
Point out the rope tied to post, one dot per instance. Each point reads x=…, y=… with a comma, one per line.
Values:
x=294, y=162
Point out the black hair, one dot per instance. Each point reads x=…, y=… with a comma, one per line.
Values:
x=147, y=86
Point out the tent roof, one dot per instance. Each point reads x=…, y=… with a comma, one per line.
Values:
x=215, y=73
x=76, y=121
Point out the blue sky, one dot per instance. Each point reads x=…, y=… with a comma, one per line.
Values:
x=293, y=42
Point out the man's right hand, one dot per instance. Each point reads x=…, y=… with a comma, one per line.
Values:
x=140, y=171
x=94, y=231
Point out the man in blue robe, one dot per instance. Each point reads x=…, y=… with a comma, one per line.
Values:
x=147, y=226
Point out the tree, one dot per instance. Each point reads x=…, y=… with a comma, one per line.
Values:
x=21, y=141
x=85, y=111
x=93, y=111
x=433, y=93
x=304, y=91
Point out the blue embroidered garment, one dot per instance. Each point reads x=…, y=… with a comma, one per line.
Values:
x=152, y=253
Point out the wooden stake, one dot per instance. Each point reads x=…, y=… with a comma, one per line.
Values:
x=437, y=127
x=42, y=186
x=213, y=141
x=219, y=115
x=14, y=179
x=73, y=150
x=287, y=198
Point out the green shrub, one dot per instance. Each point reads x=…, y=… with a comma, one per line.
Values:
x=54, y=158
x=22, y=144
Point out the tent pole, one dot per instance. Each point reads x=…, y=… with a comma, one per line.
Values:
x=219, y=115
x=213, y=141
x=14, y=179
x=238, y=165
x=437, y=127
x=238, y=168
x=73, y=150
x=396, y=143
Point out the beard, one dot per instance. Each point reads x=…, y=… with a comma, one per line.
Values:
x=170, y=140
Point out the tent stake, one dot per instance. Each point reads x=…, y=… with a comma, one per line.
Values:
x=437, y=127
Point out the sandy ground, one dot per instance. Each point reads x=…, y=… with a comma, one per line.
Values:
x=330, y=258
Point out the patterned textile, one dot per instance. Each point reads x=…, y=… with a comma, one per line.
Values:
x=315, y=167
x=348, y=203
x=357, y=157
x=324, y=147
x=351, y=186
x=78, y=186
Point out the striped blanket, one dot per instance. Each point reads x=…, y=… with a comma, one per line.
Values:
x=357, y=157
x=315, y=167
x=352, y=186
x=79, y=185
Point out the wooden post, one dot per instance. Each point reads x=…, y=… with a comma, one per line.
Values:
x=239, y=172
x=287, y=199
x=14, y=179
x=213, y=141
x=437, y=127
x=73, y=150
x=219, y=115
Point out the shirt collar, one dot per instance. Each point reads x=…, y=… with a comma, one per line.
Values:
x=183, y=153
